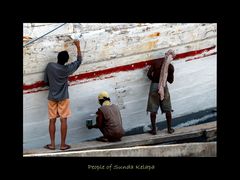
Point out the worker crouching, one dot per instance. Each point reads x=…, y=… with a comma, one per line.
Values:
x=108, y=120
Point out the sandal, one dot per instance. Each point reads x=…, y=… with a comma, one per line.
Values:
x=171, y=130
x=49, y=146
x=65, y=147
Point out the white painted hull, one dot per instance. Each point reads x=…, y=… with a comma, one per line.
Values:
x=193, y=90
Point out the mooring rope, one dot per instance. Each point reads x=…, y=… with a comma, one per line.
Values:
x=43, y=35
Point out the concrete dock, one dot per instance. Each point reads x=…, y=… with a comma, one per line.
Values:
x=161, y=145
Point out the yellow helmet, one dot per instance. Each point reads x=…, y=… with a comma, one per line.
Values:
x=103, y=94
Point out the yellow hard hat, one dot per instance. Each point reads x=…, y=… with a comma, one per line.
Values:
x=103, y=94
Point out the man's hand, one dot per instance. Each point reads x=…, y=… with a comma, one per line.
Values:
x=77, y=43
x=90, y=127
x=169, y=58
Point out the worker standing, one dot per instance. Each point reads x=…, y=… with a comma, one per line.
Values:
x=56, y=77
x=161, y=72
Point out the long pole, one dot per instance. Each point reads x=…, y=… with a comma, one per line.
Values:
x=43, y=35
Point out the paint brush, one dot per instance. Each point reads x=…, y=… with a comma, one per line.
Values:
x=75, y=36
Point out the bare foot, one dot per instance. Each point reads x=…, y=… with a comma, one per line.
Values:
x=171, y=130
x=153, y=132
x=102, y=139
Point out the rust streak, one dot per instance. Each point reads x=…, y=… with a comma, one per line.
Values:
x=65, y=46
x=26, y=38
x=154, y=35
x=151, y=44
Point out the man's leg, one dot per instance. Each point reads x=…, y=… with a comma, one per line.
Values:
x=169, y=122
x=52, y=114
x=102, y=138
x=153, y=122
x=153, y=106
x=63, y=145
x=52, y=129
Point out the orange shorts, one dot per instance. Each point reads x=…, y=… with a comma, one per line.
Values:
x=59, y=109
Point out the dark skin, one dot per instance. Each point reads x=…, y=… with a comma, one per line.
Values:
x=77, y=44
x=168, y=115
x=52, y=122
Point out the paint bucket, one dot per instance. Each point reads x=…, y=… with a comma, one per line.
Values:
x=93, y=117
x=89, y=122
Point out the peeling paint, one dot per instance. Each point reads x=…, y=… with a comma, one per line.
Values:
x=119, y=45
x=97, y=74
x=156, y=34
x=151, y=45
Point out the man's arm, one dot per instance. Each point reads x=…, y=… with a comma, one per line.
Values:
x=170, y=77
x=72, y=67
x=77, y=44
x=46, y=81
x=99, y=120
x=150, y=71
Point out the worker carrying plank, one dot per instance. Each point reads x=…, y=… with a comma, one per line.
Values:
x=161, y=72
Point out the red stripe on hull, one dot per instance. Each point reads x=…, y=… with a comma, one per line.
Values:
x=130, y=67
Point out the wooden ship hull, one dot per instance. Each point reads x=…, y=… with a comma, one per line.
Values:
x=116, y=58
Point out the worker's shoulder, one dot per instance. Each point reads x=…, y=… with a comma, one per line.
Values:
x=157, y=62
x=115, y=107
x=109, y=107
x=51, y=64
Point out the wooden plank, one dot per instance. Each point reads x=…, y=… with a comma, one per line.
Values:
x=140, y=139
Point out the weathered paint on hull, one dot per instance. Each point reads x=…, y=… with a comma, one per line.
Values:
x=194, y=88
